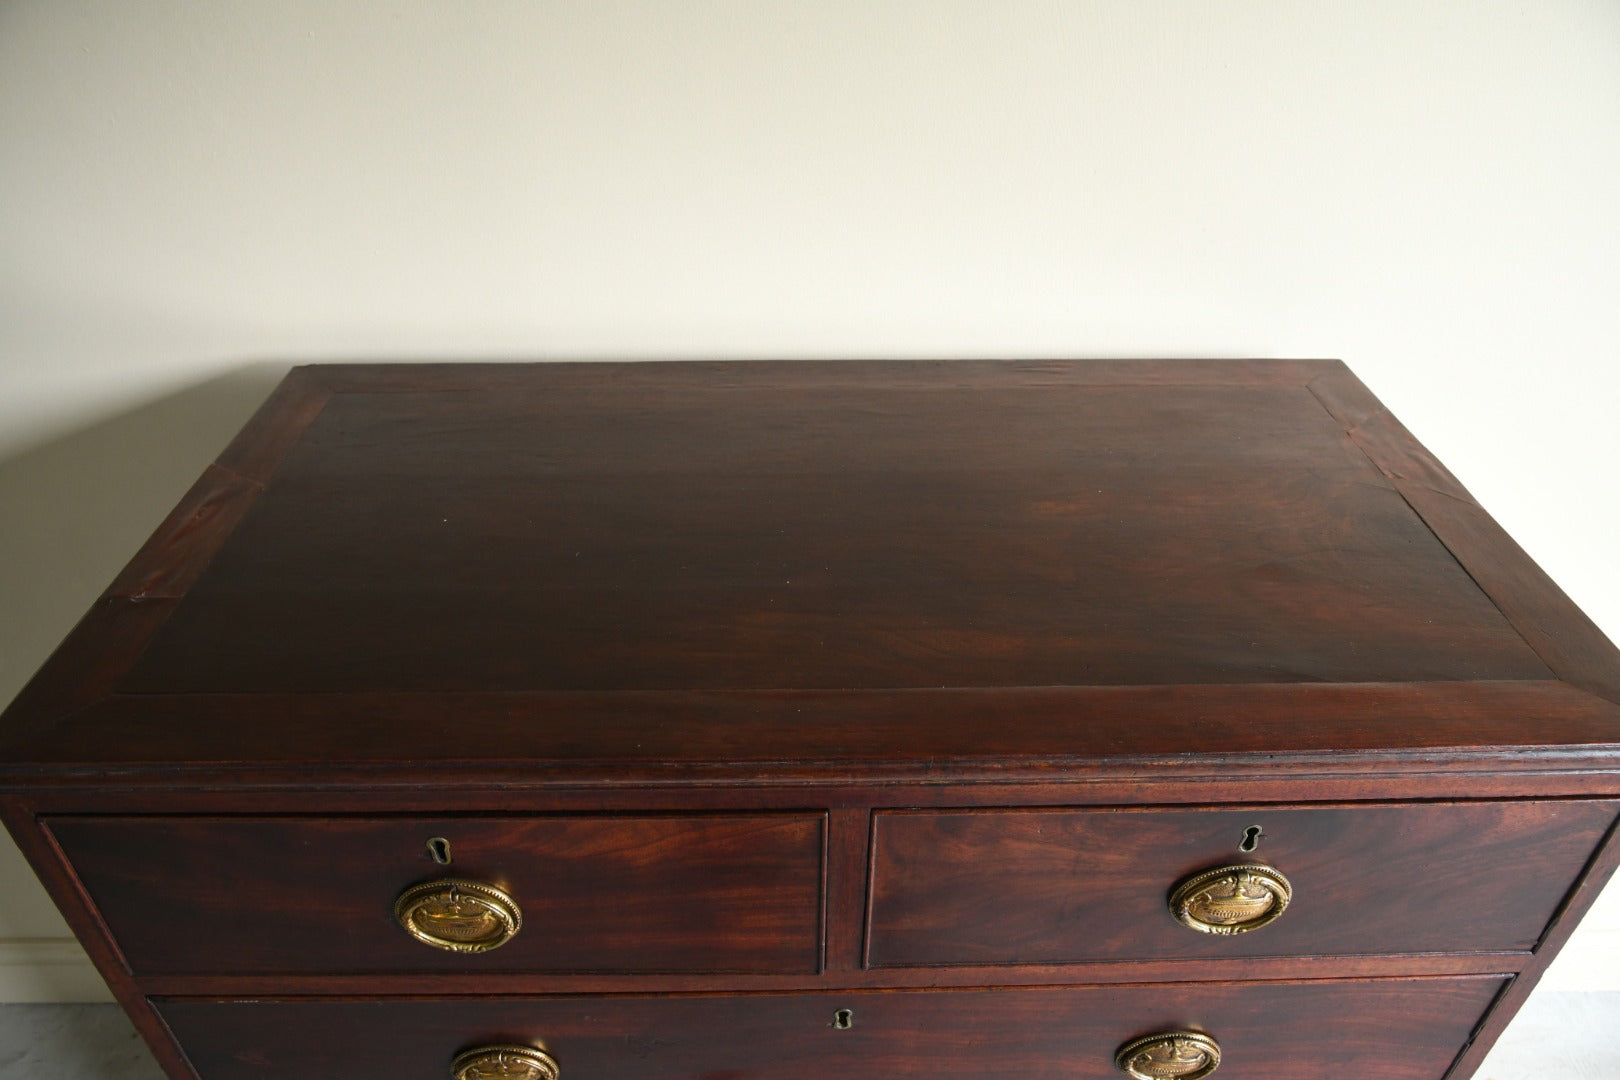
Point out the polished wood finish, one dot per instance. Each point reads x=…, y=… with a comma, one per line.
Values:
x=770, y=687
x=722, y=893
x=1598, y=875
x=954, y=559
x=1407, y=1029
x=1550, y=623
x=691, y=541
x=1046, y=886
x=840, y=736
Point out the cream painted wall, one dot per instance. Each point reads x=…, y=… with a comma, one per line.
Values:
x=194, y=194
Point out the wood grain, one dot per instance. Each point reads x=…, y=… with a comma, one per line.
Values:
x=792, y=376
x=824, y=565
x=174, y=558
x=1548, y=620
x=663, y=646
x=277, y=426
x=80, y=673
x=1597, y=875
x=1092, y=973
x=845, y=537
x=1395, y=1030
x=46, y=860
x=535, y=739
x=1042, y=886
x=599, y=894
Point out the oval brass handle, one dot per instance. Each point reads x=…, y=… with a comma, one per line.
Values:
x=505, y=1063
x=459, y=916
x=1231, y=899
x=1185, y=1055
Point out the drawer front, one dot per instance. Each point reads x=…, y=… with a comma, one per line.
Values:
x=710, y=893
x=1050, y=886
x=1391, y=1029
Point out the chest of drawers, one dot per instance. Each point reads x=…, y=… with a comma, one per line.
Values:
x=760, y=721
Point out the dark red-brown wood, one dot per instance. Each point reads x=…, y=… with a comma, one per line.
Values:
x=1598, y=874
x=809, y=605
x=93, y=935
x=1394, y=1030
x=1550, y=622
x=1045, y=886
x=1265, y=730
x=599, y=894
x=851, y=565
x=837, y=538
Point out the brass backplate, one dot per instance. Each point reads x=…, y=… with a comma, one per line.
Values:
x=1182, y=1055
x=1231, y=899
x=459, y=916
x=505, y=1063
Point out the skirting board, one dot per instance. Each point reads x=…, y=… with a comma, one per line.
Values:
x=48, y=970
x=57, y=971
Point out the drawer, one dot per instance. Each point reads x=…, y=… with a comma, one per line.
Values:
x=703, y=893
x=1393, y=1029
x=1050, y=886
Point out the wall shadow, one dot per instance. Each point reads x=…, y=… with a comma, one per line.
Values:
x=72, y=512
x=77, y=507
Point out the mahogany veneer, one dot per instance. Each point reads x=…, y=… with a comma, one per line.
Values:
x=843, y=718
x=968, y=887
x=1395, y=1029
x=202, y=894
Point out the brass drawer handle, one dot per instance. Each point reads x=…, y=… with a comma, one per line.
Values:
x=1231, y=899
x=1185, y=1055
x=505, y=1063
x=459, y=916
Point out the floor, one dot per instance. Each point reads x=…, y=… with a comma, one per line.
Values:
x=71, y=1042
x=1557, y=1034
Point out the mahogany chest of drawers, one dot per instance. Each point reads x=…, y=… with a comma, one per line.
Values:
x=761, y=721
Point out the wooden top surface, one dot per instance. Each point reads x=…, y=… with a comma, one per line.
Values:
x=607, y=561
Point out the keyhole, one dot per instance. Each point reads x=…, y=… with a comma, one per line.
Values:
x=1251, y=838
x=439, y=848
x=843, y=1019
